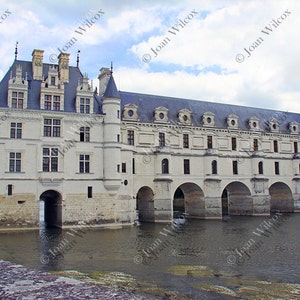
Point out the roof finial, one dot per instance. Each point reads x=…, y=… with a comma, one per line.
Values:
x=16, y=51
x=111, y=68
x=78, y=58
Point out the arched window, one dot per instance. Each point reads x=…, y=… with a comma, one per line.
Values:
x=165, y=166
x=214, y=169
x=260, y=168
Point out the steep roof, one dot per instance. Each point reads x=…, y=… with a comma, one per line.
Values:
x=111, y=90
x=148, y=103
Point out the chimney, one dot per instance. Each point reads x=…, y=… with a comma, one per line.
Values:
x=104, y=76
x=63, y=66
x=37, y=64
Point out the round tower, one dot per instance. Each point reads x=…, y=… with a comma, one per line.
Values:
x=111, y=103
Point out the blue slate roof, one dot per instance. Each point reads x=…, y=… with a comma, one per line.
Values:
x=148, y=103
x=111, y=90
x=34, y=87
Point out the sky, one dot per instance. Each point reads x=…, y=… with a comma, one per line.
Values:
x=226, y=51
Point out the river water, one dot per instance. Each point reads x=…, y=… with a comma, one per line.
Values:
x=239, y=257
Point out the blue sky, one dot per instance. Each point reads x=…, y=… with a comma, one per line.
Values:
x=204, y=60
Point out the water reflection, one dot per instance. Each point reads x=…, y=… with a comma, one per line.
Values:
x=198, y=243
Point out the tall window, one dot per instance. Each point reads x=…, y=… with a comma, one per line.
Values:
x=276, y=167
x=214, y=169
x=165, y=166
x=275, y=145
x=186, y=166
x=162, y=140
x=84, y=163
x=255, y=145
x=52, y=102
x=233, y=143
x=185, y=140
x=17, y=100
x=52, y=80
x=260, y=168
x=85, y=105
x=15, y=130
x=209, y=142
x=295, y=147
x=84, y=134
x=133, y=166
x=50, y=159
x=130, y=137
x=235, y=167
x=9, y=189
x=14, y=162
x=123, y=167
x=90, y=192
x=52, y=127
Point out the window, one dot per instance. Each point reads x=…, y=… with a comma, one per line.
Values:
x=235, y=167
x=130, y=137
x=118, y=138
x=260, y=168
x=84, y=134
x=17, y=99
x=275, y=145
x=118, y=114
x=162, y=141
x=186, y=166
x=133, y=166
x=165, y=166
x=118, y=168
x=52, y=127
x=276, y=167
x=50, y=159
x=214, y=169
x=233, y=143
x=52, y=80
x=9, y=189
x=85, y=105
x=90, y=192
x=255, y=145
x=209, y=142
x=84, y=163
x=123, y=167
x=185, y=140
x=52, y=102
x=14, y=162
x=15, y=130
x=295, y=147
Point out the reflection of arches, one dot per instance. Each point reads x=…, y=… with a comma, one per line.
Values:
x=145, y=204
x=281, y=198
x=165, y=166
x=52, y=208
x=189, y=198
x=239, y=199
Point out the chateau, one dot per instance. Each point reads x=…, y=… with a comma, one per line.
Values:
x=98, y=155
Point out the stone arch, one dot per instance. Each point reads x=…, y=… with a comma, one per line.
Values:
x=237, y=199
x=145, y=204
x=52, y=212
x=189, y=198
x=281, y=198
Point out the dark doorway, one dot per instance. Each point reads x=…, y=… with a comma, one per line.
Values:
x=178, y=203
x=51, y=216
x=225, y=203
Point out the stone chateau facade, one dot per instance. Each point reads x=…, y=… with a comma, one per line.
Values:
x=97, y=155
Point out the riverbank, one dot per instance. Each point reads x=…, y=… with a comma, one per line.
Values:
x=19, y=282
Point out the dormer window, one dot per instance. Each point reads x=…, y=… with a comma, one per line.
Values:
x=184, y=116
x=208, y=119
x=17, y=100
x=85, y=105
x=232, y=122
x=130, y=112
x=274, y=125
x=254, y=123
x=161, y=114
x=294, y=127
x=52, y=102
x=52, y=80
